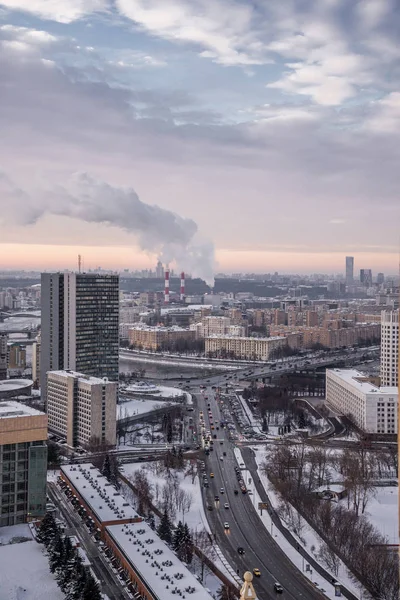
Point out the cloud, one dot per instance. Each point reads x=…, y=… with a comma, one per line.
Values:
x=63, y=11
x=384, y=116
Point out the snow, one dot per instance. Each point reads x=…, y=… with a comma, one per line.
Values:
x=144, y=549
x=7, y=534
x=310, y=537
x=139, y=407
x=25, y=573
x=78, y=476
x=382, y=512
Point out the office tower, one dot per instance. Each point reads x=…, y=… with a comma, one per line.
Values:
x=159, y=270
x=389, y=347
x=36, y=348
x=17, y=357
x=366, y=277
x=23, y=456
x=349, y=270
x=79, y=324
x=82, y=409
x=3, y=357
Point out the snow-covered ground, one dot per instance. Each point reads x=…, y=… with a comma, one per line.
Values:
x=25, y=574
x=382, y=512
x=310, y=537
x=139, y=407
x=9, y=535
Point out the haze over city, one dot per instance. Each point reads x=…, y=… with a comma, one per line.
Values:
x=134, y=130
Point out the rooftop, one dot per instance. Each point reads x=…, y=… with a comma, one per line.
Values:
x=9, y=385
x=361, y=382
x=80, y=376
x=98, y=493
x=156, y=564
x=244, y=338
x=11, y=409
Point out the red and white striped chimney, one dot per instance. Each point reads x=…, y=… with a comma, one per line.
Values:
x=166, y=292
x=182, y=295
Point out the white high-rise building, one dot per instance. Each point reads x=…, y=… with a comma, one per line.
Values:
x=81, y=408
x=389, y=347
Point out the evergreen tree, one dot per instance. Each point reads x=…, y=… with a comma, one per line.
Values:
x=66, y=572
x=187, y=545
x=46, y=530
x=151, y=521
x=106, y=468
x=91, y=591
x=114, y=477
x=75, y=587
x=56, y=552
x=165, y=528
x=177, y=541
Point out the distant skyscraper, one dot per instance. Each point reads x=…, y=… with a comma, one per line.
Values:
x=380, y=278
x=389, y=347
x=349, y=270
x=159, y=270
x=80, y=318
x=366, y=277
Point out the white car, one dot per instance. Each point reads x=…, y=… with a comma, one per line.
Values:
x=226, y=505
x=226, y=525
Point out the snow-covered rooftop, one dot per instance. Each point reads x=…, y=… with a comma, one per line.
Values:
x=100, y=496
x=80, y=376
x=361, y=382
x=155, y=563
x=11, y=409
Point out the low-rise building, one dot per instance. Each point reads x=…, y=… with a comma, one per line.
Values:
x=247, y=348
x=23, y=460
x=372, y=408
x=155, y=338
x=82, y=409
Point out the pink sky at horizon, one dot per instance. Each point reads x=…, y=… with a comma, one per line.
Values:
x=59, y=257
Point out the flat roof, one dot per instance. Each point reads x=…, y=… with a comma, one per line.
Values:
x=239, y=337
x=101, y=497
x=360, y=381
x=80, y=376
x=11, y=409
x=155, y=563
x=9, y=385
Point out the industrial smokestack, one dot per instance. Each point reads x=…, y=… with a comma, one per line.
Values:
x=182, y=294
x=166, y=293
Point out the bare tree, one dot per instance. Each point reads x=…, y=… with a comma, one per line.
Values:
x=203, y=541
x=329, y=558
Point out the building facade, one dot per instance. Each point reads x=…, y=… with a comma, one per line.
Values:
x=80, y=316
x=23, y=460
x=155, y=338
x=36, y=348
x=389, y=347
x=246, y=348
x=82, y=409
x=349, y=270
x=373, y=409
x=3, y=357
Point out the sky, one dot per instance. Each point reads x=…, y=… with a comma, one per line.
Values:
x=218, y=135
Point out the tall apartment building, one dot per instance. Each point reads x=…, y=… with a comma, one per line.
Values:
x=389, y=347
x=23, y=460
x=36, y=348
x=154, y=338
x=80, y=315
x=349, y=270
x=82, y=408
x=366, y=277
x=212, y=326
x=3, y=357
x=372, y=408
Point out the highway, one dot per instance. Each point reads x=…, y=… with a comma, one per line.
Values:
x=245, y=527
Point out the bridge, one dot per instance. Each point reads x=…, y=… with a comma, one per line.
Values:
x=20, y=315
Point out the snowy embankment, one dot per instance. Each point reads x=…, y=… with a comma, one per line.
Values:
x=311, y=538
x=195, y=517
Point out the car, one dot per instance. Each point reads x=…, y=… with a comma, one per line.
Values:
x=226, y=505
x=250, y=493
x=209, y=507
x=224, y=453
x=221, y=458
x=216, y=498
x=240, y=550
x=236, y=492
x=222, y=491
x=211, y=475
x=221, y=442
x=226, y=525
x=257, y=572
x=278, y=588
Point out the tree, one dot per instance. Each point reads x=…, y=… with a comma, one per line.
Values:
x=177, y=540
x=91, y=590
x=66, y=572
x=165, y=528
x=46, y=530
x=77, y=585
x=53, y=454
x=151, y=520
x=56, y=552
x=106, y=468
x=187, y=545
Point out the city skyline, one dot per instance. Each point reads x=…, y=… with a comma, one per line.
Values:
x=268, y=132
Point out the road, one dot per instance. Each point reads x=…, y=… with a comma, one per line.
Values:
x=101, y=568
x=245, y=527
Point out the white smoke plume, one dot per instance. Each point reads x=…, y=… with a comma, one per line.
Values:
x=162, y=232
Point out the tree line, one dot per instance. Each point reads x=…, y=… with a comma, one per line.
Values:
x=296, y=470
x=74, y=580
